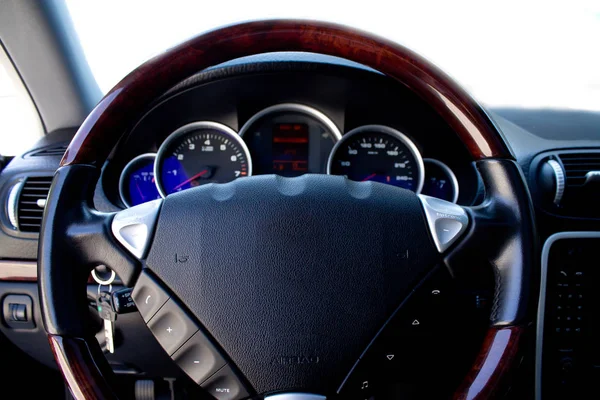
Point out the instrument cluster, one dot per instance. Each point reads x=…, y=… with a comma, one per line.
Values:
x=288, y=140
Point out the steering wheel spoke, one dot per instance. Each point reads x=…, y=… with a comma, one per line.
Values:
x=76, y=235
x=500, y=239
x=447, y=221
x=134, y=227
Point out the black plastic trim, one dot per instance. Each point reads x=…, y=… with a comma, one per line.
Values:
x=503, y=237
x=74, y=239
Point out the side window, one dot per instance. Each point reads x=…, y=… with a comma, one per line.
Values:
x=20, y=125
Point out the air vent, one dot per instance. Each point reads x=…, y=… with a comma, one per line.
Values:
x=580, y=167
x=567, y=182
x=32, y=201
x=52, y=151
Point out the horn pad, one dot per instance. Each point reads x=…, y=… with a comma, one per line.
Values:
x=293, y=277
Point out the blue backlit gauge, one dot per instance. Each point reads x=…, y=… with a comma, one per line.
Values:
x=137, y=184
x=200, y=153
x=440, y=181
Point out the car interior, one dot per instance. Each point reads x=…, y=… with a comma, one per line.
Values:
x=288, y=209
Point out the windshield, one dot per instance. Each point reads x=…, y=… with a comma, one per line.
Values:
x=512, y=53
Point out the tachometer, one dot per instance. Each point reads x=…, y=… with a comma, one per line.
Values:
x=200, y=153
x=378, y=153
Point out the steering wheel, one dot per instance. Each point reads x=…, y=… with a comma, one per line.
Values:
x=306, y=269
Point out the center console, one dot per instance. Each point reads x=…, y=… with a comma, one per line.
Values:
x=568, y=328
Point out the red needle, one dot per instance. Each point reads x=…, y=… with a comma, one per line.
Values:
x=198, y=175
x=369, y=177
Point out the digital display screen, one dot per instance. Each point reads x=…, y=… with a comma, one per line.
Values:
x=290, y=149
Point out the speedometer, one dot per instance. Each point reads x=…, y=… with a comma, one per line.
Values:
x=378, y=153
x=200, y=153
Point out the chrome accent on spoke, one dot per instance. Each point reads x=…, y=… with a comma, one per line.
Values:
x=133, y=227
x=447, y=221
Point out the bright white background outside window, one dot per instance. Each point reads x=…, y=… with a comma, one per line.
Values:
x=20, y=124
x=506, y=53
x=542, y=54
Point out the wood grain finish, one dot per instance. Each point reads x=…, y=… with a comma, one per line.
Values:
x=18, y=271
x=23, y=271
x=499, y=354
x=81, y=373
x=126, y=102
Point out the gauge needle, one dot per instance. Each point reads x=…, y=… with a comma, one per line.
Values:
x=198, y=175
x=369, y=177
x=139, y=190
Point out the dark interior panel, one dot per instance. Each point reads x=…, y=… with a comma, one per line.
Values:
x=349, y=97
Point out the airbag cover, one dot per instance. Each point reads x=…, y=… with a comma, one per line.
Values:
x=293, y=277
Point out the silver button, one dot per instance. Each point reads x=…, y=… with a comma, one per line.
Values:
x=133, y=227
x=447, y=221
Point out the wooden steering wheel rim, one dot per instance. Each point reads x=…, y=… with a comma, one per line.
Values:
x=107, y=123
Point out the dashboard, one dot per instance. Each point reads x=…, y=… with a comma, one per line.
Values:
x=354, y=123
x=293, y=118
